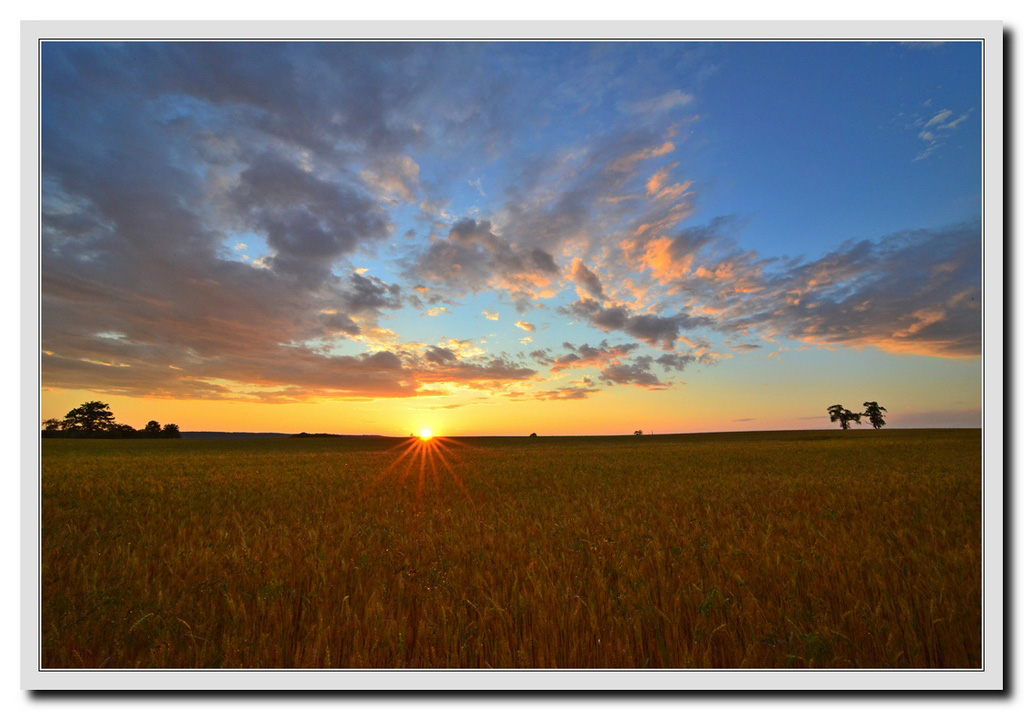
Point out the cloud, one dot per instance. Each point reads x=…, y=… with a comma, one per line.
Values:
x=637, y=373
x=584, y=356
x=613, y=370
x=307, y=221
x=937, y=130
x=938, y=118
x=369, y=294
x=654, y=330
x=558, y=206
x=160, y=156
x=395, y=178
x=916, y=291
x=658, y=187
x=912, y=292
x=626, y=163
x=490, y=316
x=572, y=198
x=543, y=261
x=566, y=393
x=587, y=279
x=439, y=356
x=526, y=326
x=162, y=159
x=676, y=361
x=665, y=102
x=671, y=257
x=474, y=257
x=299, y=374
x=334, y=322
x=478, y=373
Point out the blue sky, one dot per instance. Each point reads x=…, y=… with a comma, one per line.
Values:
x=498, y=231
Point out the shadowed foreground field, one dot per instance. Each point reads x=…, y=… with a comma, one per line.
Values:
x=799, y=549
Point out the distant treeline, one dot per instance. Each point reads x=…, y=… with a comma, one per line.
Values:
x=234, y=435
x=94, y=420
x=325, y=434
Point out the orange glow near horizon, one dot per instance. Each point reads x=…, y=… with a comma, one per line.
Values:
x=750, y=391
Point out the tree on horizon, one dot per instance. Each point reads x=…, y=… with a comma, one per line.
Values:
x=94, y=419
x=873, y=411
x=838, y=413
x=93, y=416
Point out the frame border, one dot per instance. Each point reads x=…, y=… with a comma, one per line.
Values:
x=989, y=677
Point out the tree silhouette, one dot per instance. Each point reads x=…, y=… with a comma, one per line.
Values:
x=95, y=420
x=638, y=432
x=873, y=412
x=838, y=413
x=93, y=416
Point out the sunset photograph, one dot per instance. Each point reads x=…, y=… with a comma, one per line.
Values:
x=519, y=354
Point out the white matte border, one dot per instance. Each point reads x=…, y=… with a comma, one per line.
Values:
x=991, y=677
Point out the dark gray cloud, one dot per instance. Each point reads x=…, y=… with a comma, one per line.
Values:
x=309, y=222
x=135, y=370
x=913, y=292
x=585, y=355
x=636, y=373
x=485, y=373
x=156, y=153
x=474, y=257
x=916, y=291
x=439, y=356
x=543, y=261
x=675, y=361
x=613, y=366
x=573, y=392
x=654, y=330
x=370, y=294
x=340, y=322
x=314, y=95
x=587, y=279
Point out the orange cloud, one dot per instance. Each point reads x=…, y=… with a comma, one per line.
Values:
x=664, y=266
x=626, y=163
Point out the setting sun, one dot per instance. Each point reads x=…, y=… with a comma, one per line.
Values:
x=426, y=434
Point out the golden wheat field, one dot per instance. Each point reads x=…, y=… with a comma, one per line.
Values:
x=757, y=550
